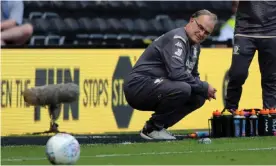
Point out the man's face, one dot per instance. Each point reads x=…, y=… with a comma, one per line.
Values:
x=201, y=28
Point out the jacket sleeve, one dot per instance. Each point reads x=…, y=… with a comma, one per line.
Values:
x=174, y=55
x=195, y=72
x=196, y=75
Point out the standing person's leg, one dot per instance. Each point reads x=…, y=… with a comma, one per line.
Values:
x=267, y=63
x=243, y=53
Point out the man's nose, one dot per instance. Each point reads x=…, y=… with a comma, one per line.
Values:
x=202, y=33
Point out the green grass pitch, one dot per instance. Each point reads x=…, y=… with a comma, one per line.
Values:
x=250, y=151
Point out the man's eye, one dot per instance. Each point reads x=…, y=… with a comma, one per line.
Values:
x=202, y=28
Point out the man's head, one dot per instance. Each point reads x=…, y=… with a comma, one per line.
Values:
x=201, y=25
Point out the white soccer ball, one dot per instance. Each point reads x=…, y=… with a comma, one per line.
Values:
x=63, y=149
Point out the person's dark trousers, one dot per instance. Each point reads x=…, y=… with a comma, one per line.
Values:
x=171, y=101
x=243, y=53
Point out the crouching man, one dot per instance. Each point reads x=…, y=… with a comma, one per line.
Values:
x=166, y=80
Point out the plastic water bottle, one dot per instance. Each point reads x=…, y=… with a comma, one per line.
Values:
x=205, y=141
x=237, y=122
x=243, y=123
x=253, y=119
x=272, y=113
x=227, y=124
x=202, y=134
x=216, y=124
x=265, y=126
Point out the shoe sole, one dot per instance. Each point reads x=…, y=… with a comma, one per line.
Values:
x=150, y=138
x=145, y=136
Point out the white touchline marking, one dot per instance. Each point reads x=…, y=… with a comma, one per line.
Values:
x=143, y=154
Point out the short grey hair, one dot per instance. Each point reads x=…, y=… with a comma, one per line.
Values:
x=206, y=12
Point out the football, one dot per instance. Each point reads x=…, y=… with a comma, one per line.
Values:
x=63, y=149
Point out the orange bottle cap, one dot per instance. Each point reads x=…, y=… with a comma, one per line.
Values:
x=193, y=135
x=264, y=111
x=253, y=112
x=241, y=113
x=272, y=111
x=217, y=113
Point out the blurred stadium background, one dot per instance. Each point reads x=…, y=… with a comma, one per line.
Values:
x=114, y=24
x=110, y=37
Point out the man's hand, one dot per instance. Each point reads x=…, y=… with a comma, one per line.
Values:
x=211, y=92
